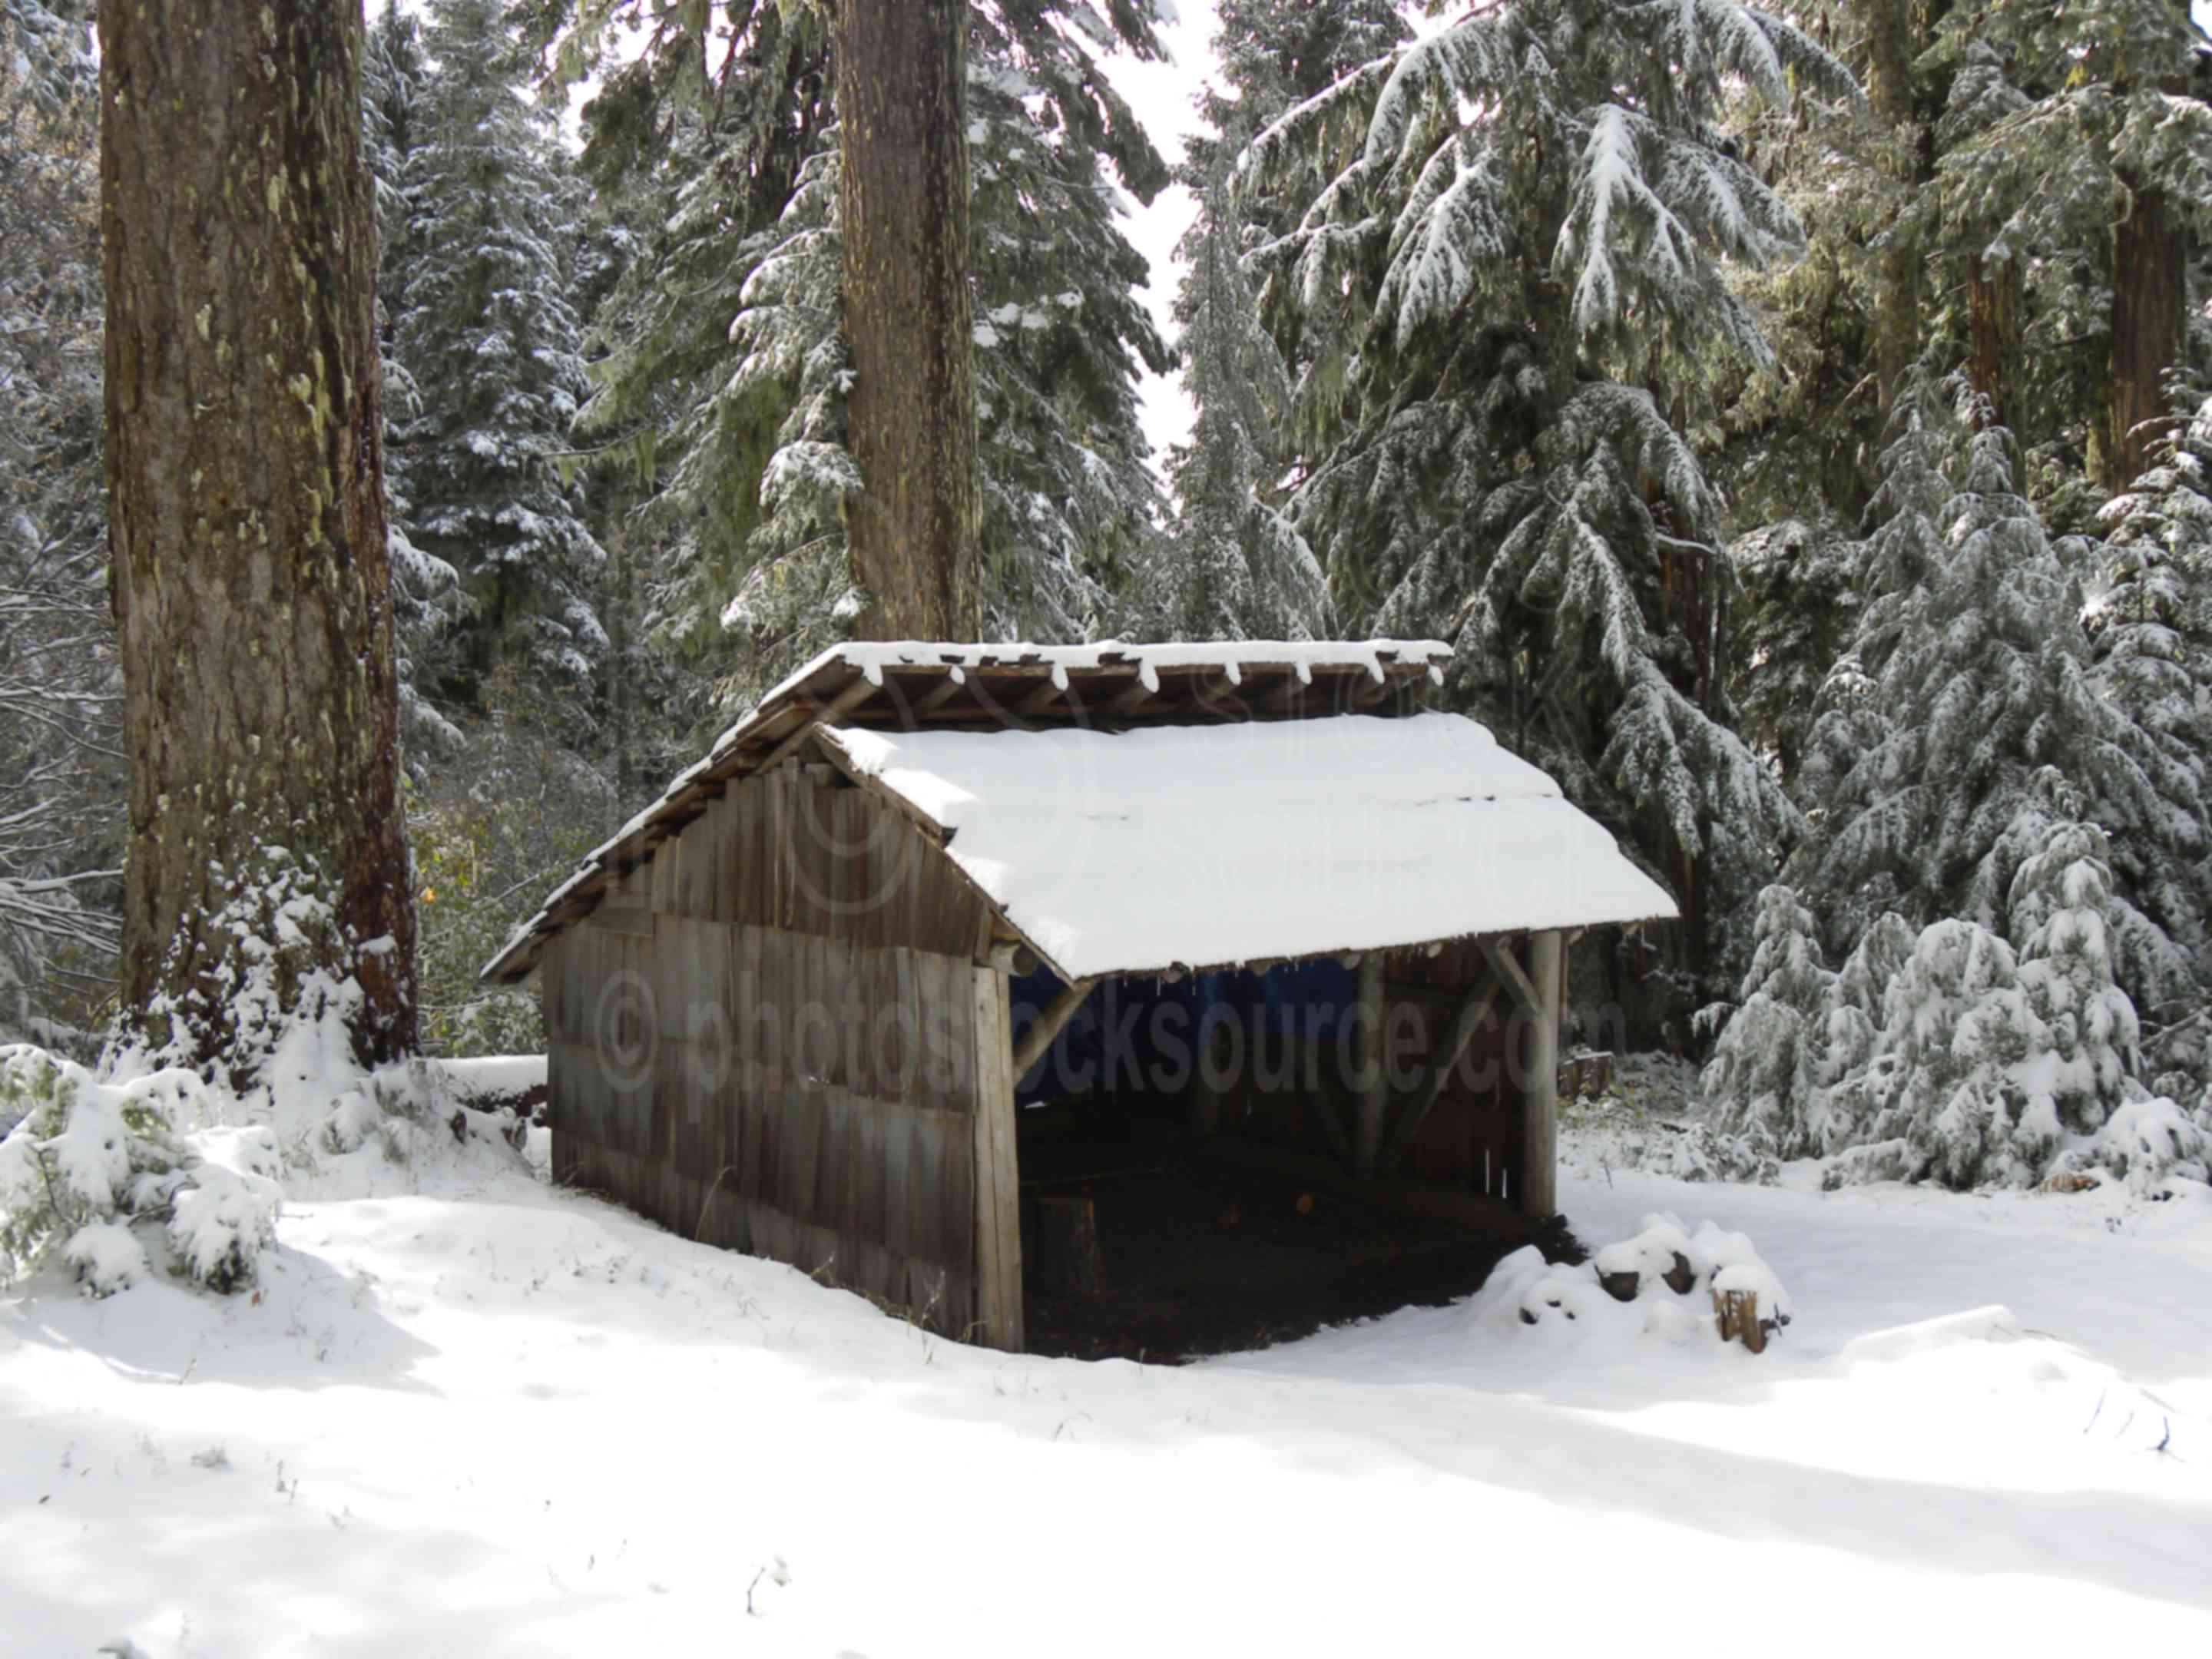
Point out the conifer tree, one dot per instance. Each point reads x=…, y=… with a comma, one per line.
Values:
x=424, y=588
x=1508, y=301
x=1991, y=1059
x=1967, y=701
x=698, y=179
x=1955, y=1029
x=1790, y=615
x=742, y=420
x=45, y=50
x=1272, y=56
x=2074, y=148
x=1238, y=568
x=1760, y=1086
x=2149, y=621
x=487, y=338
x=911, y=517
x=61, y=775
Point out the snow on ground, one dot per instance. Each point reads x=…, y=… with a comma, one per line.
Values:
x=470, y=1414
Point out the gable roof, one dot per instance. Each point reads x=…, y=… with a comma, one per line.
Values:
x=1198, y=846
x=922, y=685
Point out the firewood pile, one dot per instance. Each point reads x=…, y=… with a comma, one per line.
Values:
x=1678, y=1281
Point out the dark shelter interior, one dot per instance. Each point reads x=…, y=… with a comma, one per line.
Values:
x=1182, y=1147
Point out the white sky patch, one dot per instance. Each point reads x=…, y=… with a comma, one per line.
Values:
x=1164, y=94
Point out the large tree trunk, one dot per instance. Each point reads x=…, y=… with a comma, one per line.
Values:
x=2149, y=307
x=249, y=568
x=901, y=100
x=1993, y=325
x=1891, y=45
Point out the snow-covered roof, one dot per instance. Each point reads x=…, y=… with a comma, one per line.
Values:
x=1206, y=845
x=907, y=688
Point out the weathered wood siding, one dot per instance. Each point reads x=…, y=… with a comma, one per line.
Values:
x=776, y=1036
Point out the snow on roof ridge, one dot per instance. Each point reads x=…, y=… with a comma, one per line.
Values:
x=872, y=657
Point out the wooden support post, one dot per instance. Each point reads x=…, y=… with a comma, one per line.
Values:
x=1367, y=1133
x=1046, y=1026
x=998, y=1172
x=1467, y=1020
x=1538, y=1189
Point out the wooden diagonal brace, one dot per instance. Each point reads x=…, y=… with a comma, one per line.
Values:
x=1508, y=968
x=1046, y=1026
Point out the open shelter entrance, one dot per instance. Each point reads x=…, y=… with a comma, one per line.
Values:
x=1190, y=1150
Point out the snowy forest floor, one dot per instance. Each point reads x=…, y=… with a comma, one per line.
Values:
x=471, y=1413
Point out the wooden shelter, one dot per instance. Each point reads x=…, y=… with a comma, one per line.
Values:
x=792, y=1005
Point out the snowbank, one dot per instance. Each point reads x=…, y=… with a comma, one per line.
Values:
x=566, y=1431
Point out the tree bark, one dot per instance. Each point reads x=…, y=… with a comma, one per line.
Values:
x=2149, y=306
x=1890, y=46
x=1993, y=325
x=248, y=564
x=901, y=100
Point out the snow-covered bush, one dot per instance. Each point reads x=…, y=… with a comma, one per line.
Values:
x=2147, y=1143
x=83, y=1161
x=117, y=1175
x=1949, y=1055
x=219, y=1224
x=2060, y=900
x=1762, y=1085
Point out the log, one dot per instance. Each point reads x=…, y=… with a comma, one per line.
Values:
x=1064, y=1254
x=1737, y=1312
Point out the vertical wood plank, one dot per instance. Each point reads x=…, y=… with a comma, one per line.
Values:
x=998, y=1175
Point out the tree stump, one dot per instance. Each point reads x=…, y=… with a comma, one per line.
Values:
x=1066, y=1257
x=1585, y=1076
x=1738, y=1315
